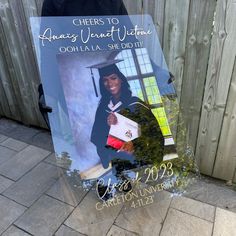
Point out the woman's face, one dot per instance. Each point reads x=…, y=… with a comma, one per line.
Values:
x=112, y=83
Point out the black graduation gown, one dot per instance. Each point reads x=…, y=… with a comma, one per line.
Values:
x=147, y=148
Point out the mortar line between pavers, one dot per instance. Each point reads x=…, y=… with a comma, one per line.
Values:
x=3, y=139
x=213, y=227
x=38, y=146
x=38, y=131
x=29, y=209
x=115, y=218
x=211, y=204
x=191, y=214
x=58, y=199
x=22, y=229
x=163, y=222
x=48, y=154
x=52, y=164
x=72, y=229
x=45, y=194
x=125, y=229
x=198, y=200
x=55, y=165
x=21, y=140
x=36, y=165
x=16, y=227
x=1, y=194
x=1, y=144
x=17, y=151
x=7, y=178
x=13, y=223
x=72, y=212
x=35, y=199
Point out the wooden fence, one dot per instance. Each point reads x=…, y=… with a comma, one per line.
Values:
x=197, y=37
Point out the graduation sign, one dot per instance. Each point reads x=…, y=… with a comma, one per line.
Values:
x=114, y=106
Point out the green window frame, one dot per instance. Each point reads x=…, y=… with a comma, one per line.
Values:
x=137, y=67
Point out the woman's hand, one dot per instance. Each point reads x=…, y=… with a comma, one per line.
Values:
x=111, y=119
x=127, y=147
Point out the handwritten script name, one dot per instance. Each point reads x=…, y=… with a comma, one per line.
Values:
x=86, y=34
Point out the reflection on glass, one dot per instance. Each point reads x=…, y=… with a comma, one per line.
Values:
x=152, y=90
x=136, y=72
x=160, y=115
x=144, y=61
x=136, y=88
x=127, y=67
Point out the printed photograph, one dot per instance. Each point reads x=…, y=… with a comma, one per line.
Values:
x=115, y=108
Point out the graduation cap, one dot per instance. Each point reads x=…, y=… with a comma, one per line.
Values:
x=104, y=68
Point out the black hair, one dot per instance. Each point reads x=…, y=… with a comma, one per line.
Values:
x=125, y=94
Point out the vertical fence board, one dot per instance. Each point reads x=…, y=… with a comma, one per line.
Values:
x=158, y=18
x=133, y=7
x=156, y=9
x=217, y=85
x=175, y=33
x=8, y=75
x=6, y=96
x=225, y=163
x=208, y=131
x=20, y=58
x=149, y=7
x=39, y=4
x=29, y=76
x=19, y=80
x=197, y=53
x=29, y=9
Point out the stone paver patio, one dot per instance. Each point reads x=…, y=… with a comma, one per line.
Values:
x=37, y=198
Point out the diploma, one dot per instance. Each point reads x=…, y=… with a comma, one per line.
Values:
x=125, y=129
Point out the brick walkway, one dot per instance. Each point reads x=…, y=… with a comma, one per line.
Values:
x=36, y=198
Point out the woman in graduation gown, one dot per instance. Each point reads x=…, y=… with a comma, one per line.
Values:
x=116, y=97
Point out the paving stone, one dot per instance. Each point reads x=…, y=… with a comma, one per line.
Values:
x=22, y=162
x=14, y=144
x=117, y=231
x=7, y=126
x=213, y=194
x=30, y=187
x=14, y=231
x=66, y=231
x=23, y=133
x=6, y=154
x=2, y=138
x=145, y=220
x=225, y=223
x=192, y=207
x=5, y=183
x=43, y=140
x=87, y=220
x=44, y=217
x=68, y=190
x=51, y=159
x=181, y=224
x=9, y=212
